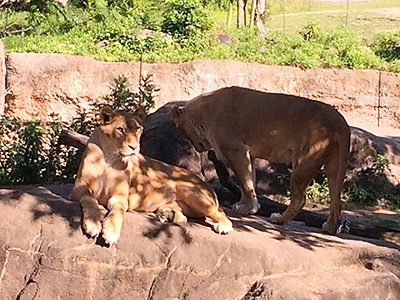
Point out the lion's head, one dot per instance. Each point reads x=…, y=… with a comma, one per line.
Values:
x=191, y=128
x=121, y=131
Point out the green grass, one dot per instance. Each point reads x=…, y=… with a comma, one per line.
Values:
x=365, y=17
x=309, y=40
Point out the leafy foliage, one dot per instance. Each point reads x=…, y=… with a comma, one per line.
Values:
x=185, y=19
x=318, y=193
x=29, y=150
x=180, y=30
x=365, y=187
x=387, y=46
x=121, y=98
x=370, y=186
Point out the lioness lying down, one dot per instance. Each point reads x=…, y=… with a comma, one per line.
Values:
x=113, y=173
x=240, y=125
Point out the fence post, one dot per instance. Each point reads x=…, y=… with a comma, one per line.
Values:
x=2, y=77
x=379, y=96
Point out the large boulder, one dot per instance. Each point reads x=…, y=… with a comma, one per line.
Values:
x=162, y=140
x=44, y=255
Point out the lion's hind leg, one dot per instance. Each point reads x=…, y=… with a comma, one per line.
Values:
x=203, y=202
x=302, y=174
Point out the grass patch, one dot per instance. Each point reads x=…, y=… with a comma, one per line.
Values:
x=183, y=30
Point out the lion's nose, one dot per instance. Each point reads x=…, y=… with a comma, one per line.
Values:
x=133, y=148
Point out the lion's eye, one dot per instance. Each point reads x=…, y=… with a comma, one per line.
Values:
x=121, y=130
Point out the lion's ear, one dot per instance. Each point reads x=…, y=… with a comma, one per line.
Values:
x=106, y=115
x=139, y=114
x=175, y=113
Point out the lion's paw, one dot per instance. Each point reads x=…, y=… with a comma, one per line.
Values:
x=247, y=208
x=91, y=227
x=223, y=227
x=165, y=215
x=110, y=233
x=276, y=218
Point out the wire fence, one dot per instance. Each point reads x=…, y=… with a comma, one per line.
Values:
x=365, y=17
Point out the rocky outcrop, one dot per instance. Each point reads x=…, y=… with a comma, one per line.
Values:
x=44, y=255
x=44, y=83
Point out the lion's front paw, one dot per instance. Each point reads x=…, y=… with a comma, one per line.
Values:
x=91, y=227
x=223, y=227
x=246, y=208
x=110, y=232
x=276, y=218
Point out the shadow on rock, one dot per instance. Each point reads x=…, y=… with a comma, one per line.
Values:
x=159, y=228
x=47, y=204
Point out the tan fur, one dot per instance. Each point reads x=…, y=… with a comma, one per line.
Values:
x=241, y=124
x=114, y=174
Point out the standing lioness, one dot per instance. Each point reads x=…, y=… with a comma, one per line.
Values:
x=113, y=173
x=240, y=125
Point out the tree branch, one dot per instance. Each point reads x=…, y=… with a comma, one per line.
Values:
x=72, y=138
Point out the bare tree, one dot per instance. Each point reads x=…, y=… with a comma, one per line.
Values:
x=260, y=15
x=257, y=14
x=241, y=13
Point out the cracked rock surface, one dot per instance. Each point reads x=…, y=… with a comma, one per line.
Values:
x=44, y=255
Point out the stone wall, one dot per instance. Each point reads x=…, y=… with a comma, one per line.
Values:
x=66, y=83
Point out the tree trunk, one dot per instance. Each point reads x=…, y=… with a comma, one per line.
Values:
x=252, y=14
x=240, y=13
x=260, y=16
x=229, y=17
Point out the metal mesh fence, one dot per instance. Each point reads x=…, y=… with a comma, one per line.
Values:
x=363, y=16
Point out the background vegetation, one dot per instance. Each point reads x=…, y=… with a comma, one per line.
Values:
x=301, y=33
x=30, y=152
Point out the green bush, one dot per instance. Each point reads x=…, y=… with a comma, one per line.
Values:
x=29, y=150
x=370, y=186
x=113, y=31
x=387, y=46
x=121, y=98
x=185, y=20
x=318, y=193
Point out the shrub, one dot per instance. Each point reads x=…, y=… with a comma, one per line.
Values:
x=370, y=186
x=311, y=32
x=29, y=150
x=121, y=98
x=185, y=19
x=387, y=46
x=318, y=193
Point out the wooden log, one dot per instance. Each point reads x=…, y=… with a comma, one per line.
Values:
x=72, y=138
